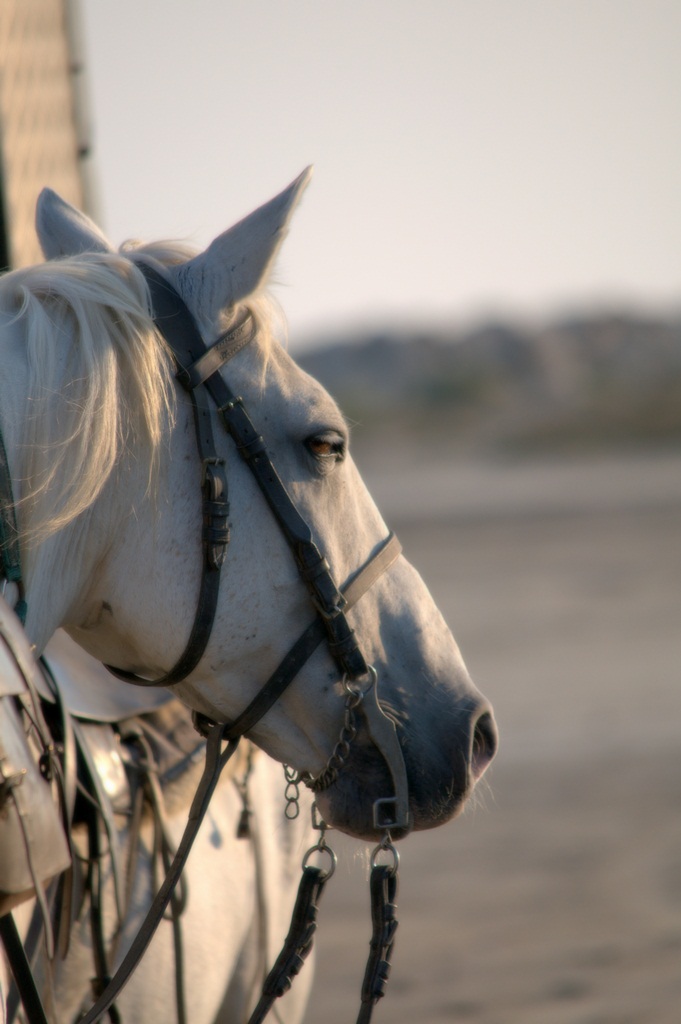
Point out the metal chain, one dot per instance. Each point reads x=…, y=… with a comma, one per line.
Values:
x=340, y=753
x=329, y=774
x=292, y=792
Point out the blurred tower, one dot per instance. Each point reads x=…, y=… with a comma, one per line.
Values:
x=44, y=130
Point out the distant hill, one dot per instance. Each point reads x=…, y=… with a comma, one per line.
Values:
x=586, y=382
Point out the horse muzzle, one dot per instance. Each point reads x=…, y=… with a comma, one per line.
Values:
x=404, y=784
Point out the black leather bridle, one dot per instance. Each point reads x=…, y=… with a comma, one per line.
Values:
x=198, y=372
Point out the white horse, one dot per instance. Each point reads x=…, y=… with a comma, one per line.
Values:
x=105, y=477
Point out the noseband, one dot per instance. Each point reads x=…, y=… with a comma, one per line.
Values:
x=198, y=372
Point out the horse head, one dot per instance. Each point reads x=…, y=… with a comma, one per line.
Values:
x=122, y=576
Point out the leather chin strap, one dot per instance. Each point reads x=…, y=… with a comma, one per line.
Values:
x=198, y=372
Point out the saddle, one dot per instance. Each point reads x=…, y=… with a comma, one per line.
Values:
x=88, y=690
x=37, y=788
x=79, y=749
x=33, y=844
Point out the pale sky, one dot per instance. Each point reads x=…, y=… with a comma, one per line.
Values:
x=472, y=157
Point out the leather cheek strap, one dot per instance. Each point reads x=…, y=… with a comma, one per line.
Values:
x=198, y=372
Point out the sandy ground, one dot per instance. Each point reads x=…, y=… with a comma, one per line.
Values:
x=557, y=897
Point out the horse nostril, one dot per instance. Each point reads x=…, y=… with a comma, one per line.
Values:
x=484, y=745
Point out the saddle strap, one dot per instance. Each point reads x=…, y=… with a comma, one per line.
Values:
x=216, y=759
x=10, y=561
x=102, y=810
x=21, y=969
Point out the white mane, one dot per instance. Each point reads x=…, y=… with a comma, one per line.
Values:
x=99, y=374
x=115, y=383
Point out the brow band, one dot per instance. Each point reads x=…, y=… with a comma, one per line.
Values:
x=220, y=352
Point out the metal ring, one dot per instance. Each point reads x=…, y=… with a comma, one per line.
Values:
x=319, y=848
x=385, y=846
x=356, y=691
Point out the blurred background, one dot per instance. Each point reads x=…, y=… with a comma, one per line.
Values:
x=486, y=273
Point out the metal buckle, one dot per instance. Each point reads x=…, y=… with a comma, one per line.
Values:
x=228, y=406
x=328, y=613
x=207, y=472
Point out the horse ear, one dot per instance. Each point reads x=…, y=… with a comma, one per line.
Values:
x=238, y=262
x=65, y=231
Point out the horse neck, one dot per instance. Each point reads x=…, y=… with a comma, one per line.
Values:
x=56, y=578
x=59, y=567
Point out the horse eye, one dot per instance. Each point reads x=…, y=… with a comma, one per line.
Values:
x=326, y=446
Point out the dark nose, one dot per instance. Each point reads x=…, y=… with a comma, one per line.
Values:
x=484, y=742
